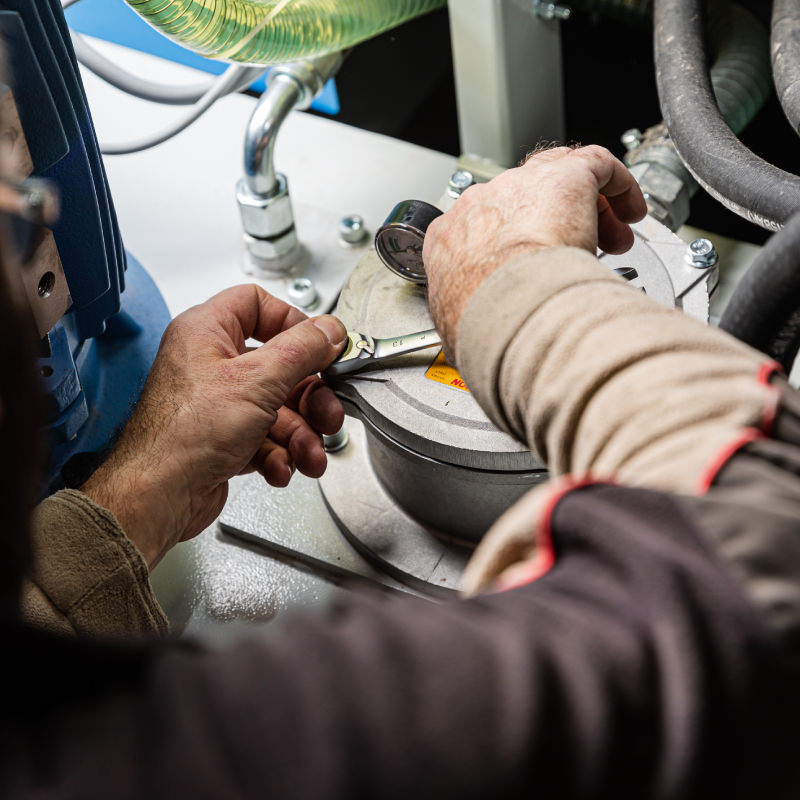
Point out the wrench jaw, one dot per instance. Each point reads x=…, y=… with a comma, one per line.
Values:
x=363, y=351
x=358, y=352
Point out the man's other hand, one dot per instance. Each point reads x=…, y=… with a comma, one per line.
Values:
x=580, y=197
x=213, y=408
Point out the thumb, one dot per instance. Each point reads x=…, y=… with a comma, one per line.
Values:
x=297, y=352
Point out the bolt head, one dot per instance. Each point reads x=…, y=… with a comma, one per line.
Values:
x=631, y=138
x=352, y=229
x=459, y=182
x=336, y=442
x=702, y=254
x=303, y=293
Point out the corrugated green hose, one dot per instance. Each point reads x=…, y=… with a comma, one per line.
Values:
x=275, y=31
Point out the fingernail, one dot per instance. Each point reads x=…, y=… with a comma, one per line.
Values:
x=333, y=329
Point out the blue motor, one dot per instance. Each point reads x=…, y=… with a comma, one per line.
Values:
x=99, y=313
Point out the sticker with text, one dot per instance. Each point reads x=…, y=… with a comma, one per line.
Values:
x=441, y=372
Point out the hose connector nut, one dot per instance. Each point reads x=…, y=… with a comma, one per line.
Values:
x=265, y=216
x=701, y=254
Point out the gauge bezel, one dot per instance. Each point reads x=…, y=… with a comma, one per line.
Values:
x=391, y=261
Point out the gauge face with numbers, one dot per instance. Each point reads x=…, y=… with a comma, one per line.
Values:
x=399, y=240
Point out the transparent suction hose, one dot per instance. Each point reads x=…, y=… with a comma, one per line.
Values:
x=276, y=31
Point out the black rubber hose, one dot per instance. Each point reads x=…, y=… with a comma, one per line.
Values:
x=763, y=311
x=719, y=162
x=785, y=47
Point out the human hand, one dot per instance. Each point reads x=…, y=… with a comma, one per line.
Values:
x=581, y=197
x=212, y=409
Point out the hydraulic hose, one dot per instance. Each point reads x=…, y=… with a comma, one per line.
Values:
x=763, y=311
x=741, y=80
x=740, y=75
x=276, y=31
x=785, y=46
x=740, y=180
x=180, y=94
x=223, y=85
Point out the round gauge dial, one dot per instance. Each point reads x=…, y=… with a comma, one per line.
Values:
x=399, y=240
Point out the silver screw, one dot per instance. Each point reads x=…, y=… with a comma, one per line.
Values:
x=459, y=182
x=547, y=10
x=303, y=293
x=702, y=254
x=336, y=442
x=352, y=230
x=631, y=138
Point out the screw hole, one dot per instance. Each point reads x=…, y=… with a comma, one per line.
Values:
x=46, y=285
x=46, y=372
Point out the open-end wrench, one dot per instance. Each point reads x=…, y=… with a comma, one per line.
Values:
x=364, y=351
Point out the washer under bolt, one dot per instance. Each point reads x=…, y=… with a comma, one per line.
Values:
x=336, y=442
x=459, y=182
x=352, y=229
x=702, y=254
x=303, y=293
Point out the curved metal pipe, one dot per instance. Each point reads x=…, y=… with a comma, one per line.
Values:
x=282, y=95
x=288, y=86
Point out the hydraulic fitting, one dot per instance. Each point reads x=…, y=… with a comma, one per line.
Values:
x=263, y=194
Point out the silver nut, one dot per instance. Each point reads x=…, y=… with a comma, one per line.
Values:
x=665, y=190
x=631, y=138
x=702, y=254
x=352, y=229
x=459, y=182
x=271, y=249
x=265, y=217
x=303, y=293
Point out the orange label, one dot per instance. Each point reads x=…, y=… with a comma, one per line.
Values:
x=441, y=372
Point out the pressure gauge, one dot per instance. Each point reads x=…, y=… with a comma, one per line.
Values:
x=399, y=240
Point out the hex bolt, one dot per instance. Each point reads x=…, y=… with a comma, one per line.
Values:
x=701, y=254
x=459, y=182
x=336, y=442
x=631, y=138
x=352, y=230
x=303, y=293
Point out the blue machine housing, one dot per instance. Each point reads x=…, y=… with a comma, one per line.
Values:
x=101, y=351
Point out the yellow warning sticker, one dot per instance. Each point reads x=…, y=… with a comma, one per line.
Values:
x=441, y=372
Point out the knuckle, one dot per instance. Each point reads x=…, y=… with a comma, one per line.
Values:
x=291, y=351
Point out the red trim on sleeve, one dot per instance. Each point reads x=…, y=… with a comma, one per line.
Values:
x=745, y=435
x=530, y=571
x=708, y=475
x=770, y=410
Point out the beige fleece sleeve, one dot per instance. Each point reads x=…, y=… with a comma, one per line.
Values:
x=598, y=379
x=89, y=578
